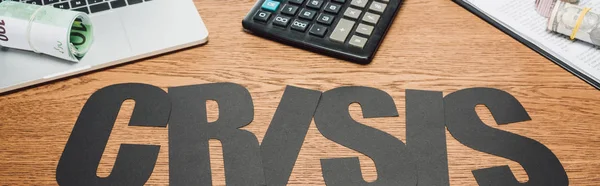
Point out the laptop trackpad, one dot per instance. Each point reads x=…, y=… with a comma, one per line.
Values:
x=110, y=40
x=154, y=26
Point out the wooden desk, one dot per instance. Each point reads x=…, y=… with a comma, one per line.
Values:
x=432, y=45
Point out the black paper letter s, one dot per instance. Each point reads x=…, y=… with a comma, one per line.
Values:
x=542, y=166
x=83, y=151
x=392, y=159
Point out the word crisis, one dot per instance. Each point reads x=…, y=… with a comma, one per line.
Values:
x=421, y=160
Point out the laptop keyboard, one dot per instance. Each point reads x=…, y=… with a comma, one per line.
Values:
x=86, y=6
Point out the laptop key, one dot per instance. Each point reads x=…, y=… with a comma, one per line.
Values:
x=34, y=2
x=131, y=2
x=99, y=7
x=94, y=1
x=118, y=3
x=63, y=5
x=78, y=3
x=47, y=2
x=82, y=9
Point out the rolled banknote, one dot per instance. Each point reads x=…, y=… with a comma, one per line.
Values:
x=576, y=22
x=544, y=7
x=44, y=29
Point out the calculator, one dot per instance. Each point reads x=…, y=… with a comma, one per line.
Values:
x=347, y=29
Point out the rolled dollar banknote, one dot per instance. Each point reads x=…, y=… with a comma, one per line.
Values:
x=576, y=22
x=44, y=29
x=544, y=7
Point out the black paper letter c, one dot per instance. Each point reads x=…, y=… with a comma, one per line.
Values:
x=84, y=149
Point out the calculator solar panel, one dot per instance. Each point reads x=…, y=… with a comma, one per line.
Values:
x=347, y=29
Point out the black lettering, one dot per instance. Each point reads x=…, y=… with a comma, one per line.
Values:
x=426, y=136
x=83, y=151
x=189, y=133
x=286, y=133
x=541, y=165
x=392, y=159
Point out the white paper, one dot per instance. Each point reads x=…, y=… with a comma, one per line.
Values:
x=521, y=17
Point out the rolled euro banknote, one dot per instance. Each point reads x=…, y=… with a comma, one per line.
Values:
x=56, y=32
x=576, y=22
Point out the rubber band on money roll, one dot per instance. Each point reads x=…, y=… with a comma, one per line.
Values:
x=31, y=19
x=579, y=22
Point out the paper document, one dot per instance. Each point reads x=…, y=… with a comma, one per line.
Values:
x=521, y=17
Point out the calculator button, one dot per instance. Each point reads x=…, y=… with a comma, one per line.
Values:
x=262, y=16
x=307, y=14
x=281, y=21
x=359, y=3
x=341, y=31
x=370, y=18
x=299, y=25
x=318, y=30
x=352, y=13
x=296, y=1
x=270, y=5
x=333, y=8
x=315, y=4
x=377, y=7
x=289, y=10
x=325, y=19
x=364, y=29
x=358, y=41
x=339, y=1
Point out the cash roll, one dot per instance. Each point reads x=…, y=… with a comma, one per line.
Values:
x=544, y=7
x=575, y=21
x=47, y=30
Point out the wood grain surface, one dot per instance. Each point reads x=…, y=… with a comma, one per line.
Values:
x=432, y=45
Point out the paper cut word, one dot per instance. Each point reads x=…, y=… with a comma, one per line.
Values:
x=421, y=160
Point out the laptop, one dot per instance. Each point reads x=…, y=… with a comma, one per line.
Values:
x=124, y=30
